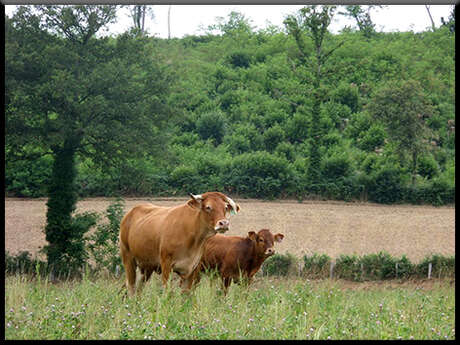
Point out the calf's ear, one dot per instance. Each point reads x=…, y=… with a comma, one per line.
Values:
x=279, y=237
x=252, y=235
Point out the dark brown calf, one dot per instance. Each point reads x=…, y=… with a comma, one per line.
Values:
x=232, y=255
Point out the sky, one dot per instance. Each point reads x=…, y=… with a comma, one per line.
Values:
x=193, y=19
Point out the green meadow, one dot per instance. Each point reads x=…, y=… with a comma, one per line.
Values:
x=271, y=308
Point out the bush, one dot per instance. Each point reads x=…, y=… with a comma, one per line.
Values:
x=103, y=243
x=335, y=167
x=348, y=267
x=427, y=166
x=279, y=265
x=23, y=263
x=378, y=266
x=441, y=266
x=372, y=138
x=211, y=126
x=316, y=266
x=259, y=175
x=273, y=136
x=386, y=186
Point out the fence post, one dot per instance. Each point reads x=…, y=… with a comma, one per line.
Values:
x=331, y=270
x=429, y=270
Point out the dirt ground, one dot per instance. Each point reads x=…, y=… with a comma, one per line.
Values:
x=332, y=228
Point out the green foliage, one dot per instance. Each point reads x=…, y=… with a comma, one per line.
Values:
x=348, y=267
x=278, y=265
x=211, y=126
x=22, y=263
x=259, y=174
x=316, y=266
x=386, y=185
x=102, y=244
x=427, y=166
x=272, y=137
x=347, y=94
x=304, y=94
x=441, y=266
x=336, y=166
x=372, y=138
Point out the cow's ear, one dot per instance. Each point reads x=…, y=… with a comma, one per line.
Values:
x=235, y=207
x=252, y=235
x=195, y=201
x=279, y=237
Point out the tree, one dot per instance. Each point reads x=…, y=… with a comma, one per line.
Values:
x=138, y=13
x=313, y=21
x=72, y=94
x=403, y=108
x=362, y=17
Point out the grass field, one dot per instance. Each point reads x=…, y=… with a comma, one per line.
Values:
x=268, y=309
x=332, y=228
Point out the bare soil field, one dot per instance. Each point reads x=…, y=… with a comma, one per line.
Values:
x=328, y=227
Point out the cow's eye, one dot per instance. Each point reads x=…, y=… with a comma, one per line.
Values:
x=261, y=240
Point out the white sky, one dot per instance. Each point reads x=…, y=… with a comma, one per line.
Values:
x=190, y=19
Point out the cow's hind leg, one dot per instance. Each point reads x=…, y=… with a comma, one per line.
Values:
x=130, y=269
x=146, y=273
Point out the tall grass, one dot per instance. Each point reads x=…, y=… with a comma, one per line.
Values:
x=271, y=308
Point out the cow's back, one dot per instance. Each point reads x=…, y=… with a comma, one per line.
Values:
x=139, y=229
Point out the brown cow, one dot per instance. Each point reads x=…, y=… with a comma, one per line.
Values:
x=162, y=239
x=231, y=255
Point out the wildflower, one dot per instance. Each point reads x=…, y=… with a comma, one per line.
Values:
x=8, y=324
x=411, y=337
x=11, y=310
x=164, y=326
x=129, y=314
x=23, y=308
x=378, y=322
x=329, y=337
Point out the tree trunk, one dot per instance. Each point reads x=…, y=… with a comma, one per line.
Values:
x=62, y=199
x=414, y=167
x=169, y=22
x=431, y=18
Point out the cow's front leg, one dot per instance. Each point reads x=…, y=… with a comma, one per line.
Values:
x=188, y=281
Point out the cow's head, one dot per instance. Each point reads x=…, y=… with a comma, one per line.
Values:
x=264, y=242
x=215, y=209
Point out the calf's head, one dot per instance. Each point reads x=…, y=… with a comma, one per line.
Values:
x=264, y=242
x=215, y=209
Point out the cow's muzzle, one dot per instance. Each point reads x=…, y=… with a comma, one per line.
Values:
x=222, y=225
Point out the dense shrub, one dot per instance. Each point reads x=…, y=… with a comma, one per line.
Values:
x=386, y=186
x=211, y=126
x=23, y=263
x=259, y=175
x=336, y=166
x=279, y=265
x=441, y=266
x=28, y=178
x=348, y=267
x=427, y=166
x=102, y=244
x=316, y=266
